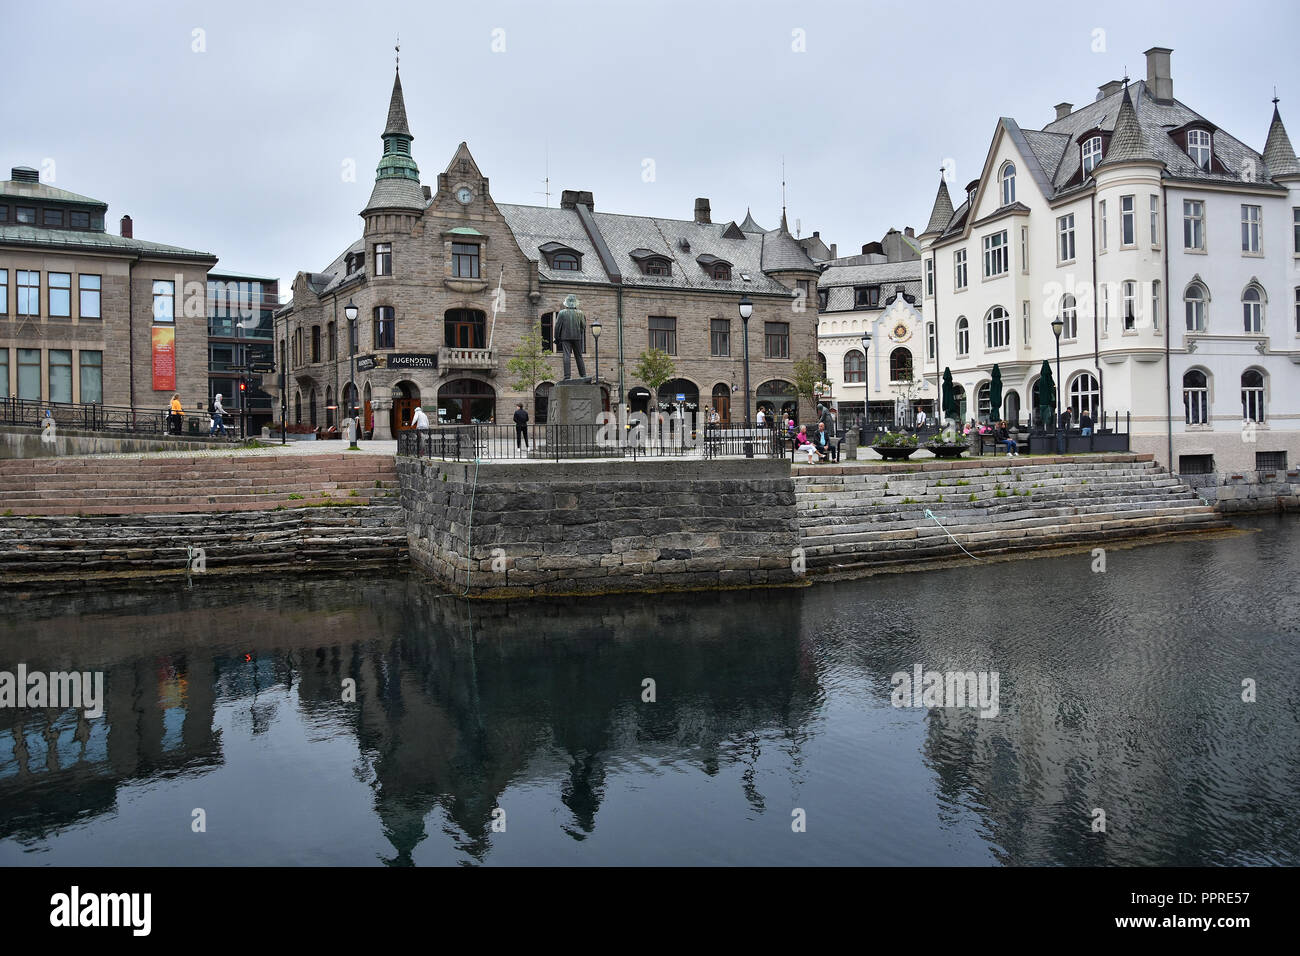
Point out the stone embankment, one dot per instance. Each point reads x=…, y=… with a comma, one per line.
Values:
x=874, y=516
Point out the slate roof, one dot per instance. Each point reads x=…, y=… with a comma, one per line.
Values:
x=396, y=124
x=749, y=225
x=1139, y=131
x=839, y=281
x=534, y=226
x=28, y=235
x=396, y=193
x=782, y=251
x=1279, y=156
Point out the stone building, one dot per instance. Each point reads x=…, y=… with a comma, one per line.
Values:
x=90, y=317
x=448, y=283
x=1168, y=249
x=877, y=292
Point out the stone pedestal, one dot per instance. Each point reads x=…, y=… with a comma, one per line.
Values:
x=571, y=427
x=382, y=409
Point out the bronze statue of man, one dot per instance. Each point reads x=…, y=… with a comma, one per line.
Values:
x=569, y=331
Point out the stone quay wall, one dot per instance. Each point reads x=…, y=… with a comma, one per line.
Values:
x=19, y=441
x=1245, y=491
x=606, y=526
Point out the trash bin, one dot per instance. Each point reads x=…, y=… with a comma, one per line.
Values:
x=851, y=445
x=194, y=426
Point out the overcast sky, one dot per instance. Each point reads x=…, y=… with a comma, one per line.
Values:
x=241, y=149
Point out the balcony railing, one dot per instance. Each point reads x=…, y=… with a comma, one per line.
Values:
x=453, y=357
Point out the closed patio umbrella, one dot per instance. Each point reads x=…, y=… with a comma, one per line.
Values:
x=1046, y=394
x=949, y=406
x=995, y=393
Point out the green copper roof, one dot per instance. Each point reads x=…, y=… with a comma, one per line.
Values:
x=465, y=231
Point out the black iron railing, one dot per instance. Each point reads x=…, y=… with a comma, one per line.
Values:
x=672, y=440
x=91, y=417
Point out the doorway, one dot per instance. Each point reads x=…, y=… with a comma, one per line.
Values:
x=406, y=399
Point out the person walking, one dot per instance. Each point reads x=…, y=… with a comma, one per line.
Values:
x=177, y=415
x=419, y=420
x=920, y=419
x=521, y=426
x=762, y=418
x=218, y=418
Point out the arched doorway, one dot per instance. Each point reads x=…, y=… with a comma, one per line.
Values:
x=349, y=408
x=541, y=403
x=465, y=328
x=638, y=400
x=722, y=403
x=406, y=399
x=688, y=390
x=1011, y=407
x=959, y=399
x=778, y=394
x=466, y=401
x=367, y=412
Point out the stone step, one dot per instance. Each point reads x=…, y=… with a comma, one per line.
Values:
x=835, y=501
x=987, y=505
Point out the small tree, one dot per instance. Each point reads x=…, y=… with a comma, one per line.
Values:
x=654, y=368
x=530, y=367
x=807, y=373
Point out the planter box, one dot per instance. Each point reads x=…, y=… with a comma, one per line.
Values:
x=947, y=451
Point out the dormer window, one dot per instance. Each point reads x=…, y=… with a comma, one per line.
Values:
x=1091, y=154
x=1198, y=147
x=561, y=258
x=716, y=269
x=652, y=263
x=866, y=297
x=1008, y=179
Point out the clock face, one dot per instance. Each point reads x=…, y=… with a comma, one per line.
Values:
x=464, y=195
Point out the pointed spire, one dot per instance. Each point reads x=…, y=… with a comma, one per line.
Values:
x=784, y=226
x=941, y=214
x=396, y=125
x=1279, y=156
x=749, y=225
x=1128, y=143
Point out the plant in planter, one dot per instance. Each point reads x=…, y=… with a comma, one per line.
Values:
x=947, y=444
x=894, y=446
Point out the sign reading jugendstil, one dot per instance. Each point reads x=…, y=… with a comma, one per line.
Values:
x=397, y=360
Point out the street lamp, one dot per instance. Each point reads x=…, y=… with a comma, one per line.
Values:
x=595, y=334
x=746, y=310
x=866, y=379
x=350, y=312
x=1057, y=325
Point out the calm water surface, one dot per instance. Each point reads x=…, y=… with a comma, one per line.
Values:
x=1119, y=691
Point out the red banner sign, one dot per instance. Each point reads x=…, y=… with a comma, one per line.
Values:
x=164, y=359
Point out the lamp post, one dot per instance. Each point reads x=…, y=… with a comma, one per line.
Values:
x=1057, y=325
x=595, y=334
x=746, y=310
x=866, y=380
x=350, y=312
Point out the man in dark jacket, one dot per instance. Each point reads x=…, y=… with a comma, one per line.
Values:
x=521, y=426
x=827, y=421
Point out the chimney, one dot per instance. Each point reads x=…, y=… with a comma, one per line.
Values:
x=816, y=234
x=586, y=199
x=1159, y=80
x=1106, y=89
x=126, y=227
x=568, y=199
x=834, y=255
x=428, y=191
x=909, y=232
x=1063, y=110
x=702, y=212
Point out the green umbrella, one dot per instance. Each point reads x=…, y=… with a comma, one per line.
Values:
x=1046, y=394
x=949, y=406
x=995, y=392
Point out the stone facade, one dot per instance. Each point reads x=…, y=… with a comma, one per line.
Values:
x=119, y=335
x=1231, y=491
x=537, y=528
x=526, y=260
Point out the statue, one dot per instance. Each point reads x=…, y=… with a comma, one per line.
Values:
x=569, y=330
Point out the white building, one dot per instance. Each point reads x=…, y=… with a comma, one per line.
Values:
x=877, y=292
x=1169, y=250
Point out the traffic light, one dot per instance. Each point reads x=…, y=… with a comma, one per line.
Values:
x=243, y=385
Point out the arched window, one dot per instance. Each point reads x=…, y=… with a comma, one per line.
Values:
x=1091, y=153
x=385, y=327
x=997, y=328
x=1070, y=316
x=722, y=272
x=900, y=365
x=350, y=409
x=1008, y=178
x=1252, y=309
x=854, y=363
x=329, y=405
x=297, y=408
x=311, y=407
x=1252, y=395
x=821, y=360
x=564, y=262
x=1198, y=147
x=1085, y=395
x=1196, y=398
x=1194, y=300
x=963, y=336
x=541, y=402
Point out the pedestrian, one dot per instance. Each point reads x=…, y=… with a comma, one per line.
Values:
x=1065, y=418
x=826, y=445
x=714, y=418
x=177, y=415
x=521, y=426
x=218, y=418
x=419, y=420
x=920, y=419
x=806, y=446
x=762, y=418
x=1085, y=423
